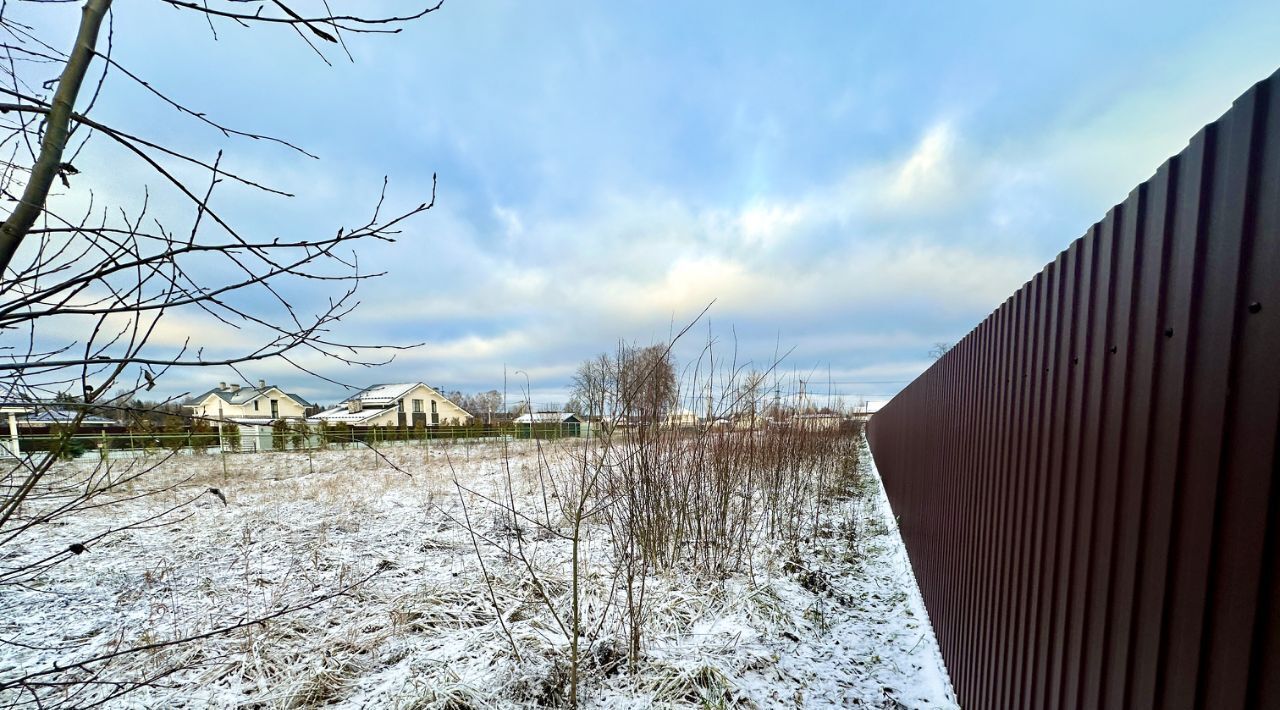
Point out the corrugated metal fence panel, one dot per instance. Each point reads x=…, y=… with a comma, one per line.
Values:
x=1089, y=483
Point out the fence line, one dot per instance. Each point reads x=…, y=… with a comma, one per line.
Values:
x=129, y=444
x=1089, y=482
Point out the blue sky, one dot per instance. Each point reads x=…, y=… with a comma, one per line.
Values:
x=855, y=180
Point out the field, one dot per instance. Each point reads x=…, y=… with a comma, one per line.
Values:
x=444, y=577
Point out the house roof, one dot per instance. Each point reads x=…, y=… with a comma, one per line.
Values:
x=388, y=394
x=64, y=416
x=547, y=417
x=245, y=395
x=384, y=394
x=340, y=414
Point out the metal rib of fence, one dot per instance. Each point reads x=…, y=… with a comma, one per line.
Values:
x=1089, y=482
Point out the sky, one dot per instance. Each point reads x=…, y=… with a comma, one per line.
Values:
x=845, y=182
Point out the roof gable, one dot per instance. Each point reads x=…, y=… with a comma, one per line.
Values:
x=383, y=394
x=388, y=394
x=245, y=395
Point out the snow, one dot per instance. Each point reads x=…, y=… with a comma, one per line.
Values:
x=836, y=623
x=341, y=414
x=383, y=394
x=545, y=417
x=874, y=406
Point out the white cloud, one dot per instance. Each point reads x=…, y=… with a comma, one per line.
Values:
x=510, y=220
x=926, y=174
x=630, y=264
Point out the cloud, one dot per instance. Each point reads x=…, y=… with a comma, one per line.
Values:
x=852, y=257
x=926, y=175
x=610, y=184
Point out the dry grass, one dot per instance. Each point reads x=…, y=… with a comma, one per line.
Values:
x=426, y=631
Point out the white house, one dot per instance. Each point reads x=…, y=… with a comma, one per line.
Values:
x=864, y=410
x=408, y=404
x=680, y=419
x=820, y=420
x=255, y=405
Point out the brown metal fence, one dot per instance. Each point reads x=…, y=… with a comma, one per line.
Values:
x=1089, y=482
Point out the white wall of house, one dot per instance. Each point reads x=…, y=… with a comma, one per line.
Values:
x=390, y=402
x=287, y=408
x=423, y=396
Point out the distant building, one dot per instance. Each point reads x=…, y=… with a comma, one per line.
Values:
x=866, y=409
x=749, y=421
x=680, y=419
x=46, y=418
x=819, y=420
x=248, y=405
x=11, y=447
x=408, y=404
x=40, y=419
x=547, y=425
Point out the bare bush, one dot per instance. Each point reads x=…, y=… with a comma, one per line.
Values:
x=661, y=493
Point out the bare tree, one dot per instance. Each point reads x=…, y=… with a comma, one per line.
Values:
x=647, y=380
x=594, y=385
x=636, y=383
x=85, y=286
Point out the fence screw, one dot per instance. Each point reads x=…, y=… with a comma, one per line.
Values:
x=1255, y=307
x=1168, y=332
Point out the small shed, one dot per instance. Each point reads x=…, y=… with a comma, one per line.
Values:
x=547, y=425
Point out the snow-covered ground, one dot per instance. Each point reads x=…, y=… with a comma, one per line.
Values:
x=836, y=623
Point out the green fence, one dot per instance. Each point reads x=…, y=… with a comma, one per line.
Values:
x=266, y=439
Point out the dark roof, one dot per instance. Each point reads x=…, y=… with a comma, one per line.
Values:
x=245, y=395
x=64, y=416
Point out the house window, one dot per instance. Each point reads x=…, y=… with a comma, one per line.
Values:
x=417, y=406
x=400, y=406
x=255, y=405
x=275, y=408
